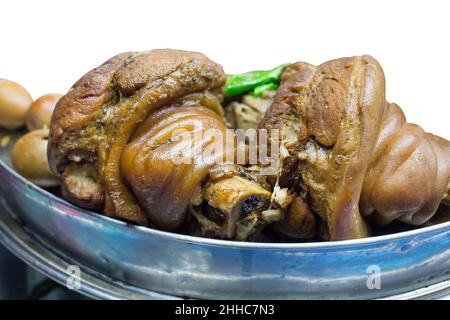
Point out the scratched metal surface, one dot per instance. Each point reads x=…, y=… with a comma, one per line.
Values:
x=123, y=261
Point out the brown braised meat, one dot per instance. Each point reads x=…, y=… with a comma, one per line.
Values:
x=351, y=154
x=124, y=141
x=113, y=135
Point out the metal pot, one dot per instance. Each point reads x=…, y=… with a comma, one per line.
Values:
x=118, y=260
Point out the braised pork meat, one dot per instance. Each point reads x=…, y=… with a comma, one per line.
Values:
x=112, y=135
x=351, y=153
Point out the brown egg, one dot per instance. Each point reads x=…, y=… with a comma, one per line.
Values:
x=29, y=158
x=14, y=104
x=40, y=112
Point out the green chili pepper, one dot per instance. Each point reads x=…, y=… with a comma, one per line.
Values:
x=259, y=91
x=246, y=82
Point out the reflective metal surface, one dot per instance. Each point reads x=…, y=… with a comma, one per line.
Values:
x=139, y=262
x=19, y=281
x=56, y=266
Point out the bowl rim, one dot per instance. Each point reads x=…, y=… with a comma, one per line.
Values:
x=225, y=243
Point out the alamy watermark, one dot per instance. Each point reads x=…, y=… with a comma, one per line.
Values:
x=73, y=281
x=374, y=277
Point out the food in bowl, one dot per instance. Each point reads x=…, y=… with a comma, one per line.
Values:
x=40, y=112
x=29, y=158
x=340, y=162
x=14, y=104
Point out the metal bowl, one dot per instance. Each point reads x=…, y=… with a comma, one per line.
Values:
x=119, y=260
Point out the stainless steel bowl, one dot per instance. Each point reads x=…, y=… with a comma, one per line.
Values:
x=119, y=260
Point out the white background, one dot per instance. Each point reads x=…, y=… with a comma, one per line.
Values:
x=47, y=45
